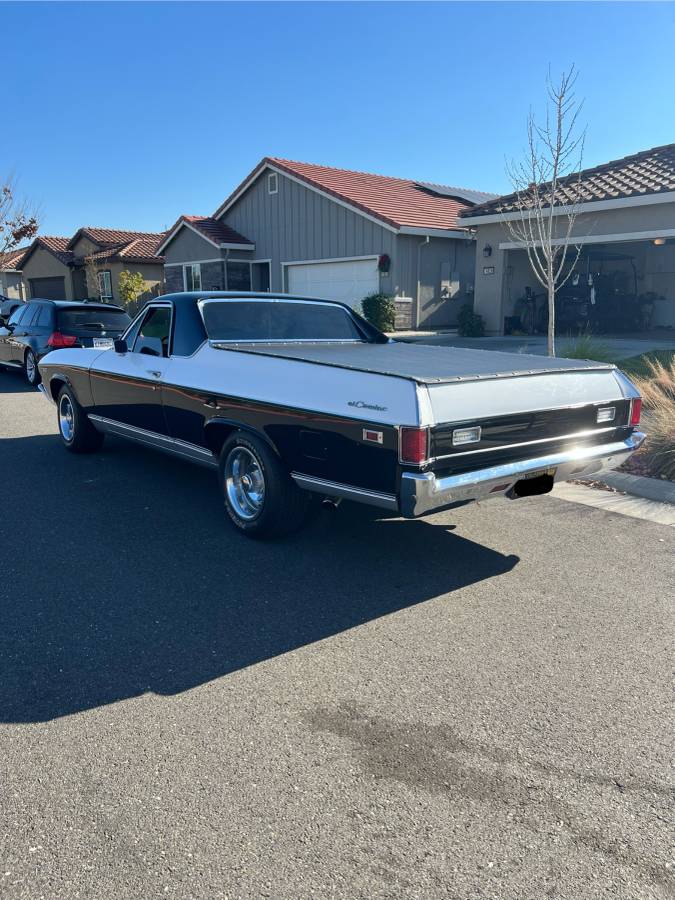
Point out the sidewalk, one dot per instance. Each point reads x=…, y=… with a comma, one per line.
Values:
x=623, y=347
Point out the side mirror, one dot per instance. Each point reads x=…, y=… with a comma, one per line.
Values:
x=120, y=345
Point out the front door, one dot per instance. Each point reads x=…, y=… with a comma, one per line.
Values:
x=127, y=387
x=7, y=335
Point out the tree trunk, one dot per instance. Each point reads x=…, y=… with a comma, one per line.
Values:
x=551, y=319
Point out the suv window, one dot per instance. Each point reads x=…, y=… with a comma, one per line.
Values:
x=44, y=316
x=92, y=319
x=155, y=332
x=18, y=314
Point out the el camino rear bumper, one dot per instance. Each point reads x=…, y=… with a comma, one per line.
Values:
x=422, y=493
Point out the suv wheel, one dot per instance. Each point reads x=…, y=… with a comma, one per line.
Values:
x=31, y=368
x=260, y=497
x=75, y=430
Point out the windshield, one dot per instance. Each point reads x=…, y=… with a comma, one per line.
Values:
x=277, y=320
x=92, y=319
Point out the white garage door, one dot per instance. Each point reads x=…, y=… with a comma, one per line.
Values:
x=346, y=280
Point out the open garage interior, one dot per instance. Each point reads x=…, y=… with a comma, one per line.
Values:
x=613, y=288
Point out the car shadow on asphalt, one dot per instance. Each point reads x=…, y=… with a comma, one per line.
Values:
x=121, y=575
x=13, y=381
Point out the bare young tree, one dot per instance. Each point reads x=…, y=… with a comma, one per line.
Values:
x=18, y=221
x=546, y=182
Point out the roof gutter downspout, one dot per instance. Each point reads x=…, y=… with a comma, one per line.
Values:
x=417, y=304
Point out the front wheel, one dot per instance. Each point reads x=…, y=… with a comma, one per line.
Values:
x=260, y=497
x=31, y=369
x=76, y=431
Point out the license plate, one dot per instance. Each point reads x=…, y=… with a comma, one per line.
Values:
x=103, y=343
x=537, y=474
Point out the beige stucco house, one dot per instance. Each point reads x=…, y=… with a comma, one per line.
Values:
x=625, y=228
x=11, y=279
x=88, y=265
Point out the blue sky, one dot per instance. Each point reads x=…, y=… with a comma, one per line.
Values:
x=128, y=114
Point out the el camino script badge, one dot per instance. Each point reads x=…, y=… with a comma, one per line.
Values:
x=361, y=404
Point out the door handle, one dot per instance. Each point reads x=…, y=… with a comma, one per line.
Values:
x=154, y=372
x=213, y=404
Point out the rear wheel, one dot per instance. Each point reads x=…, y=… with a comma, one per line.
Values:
x=31, y=368
x=76, y=431
x=260, y=497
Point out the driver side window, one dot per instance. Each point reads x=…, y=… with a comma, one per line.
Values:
x=154, y=335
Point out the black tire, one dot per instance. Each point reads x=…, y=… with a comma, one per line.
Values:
x=30, y=369
x=281, y=506
x=75, y=430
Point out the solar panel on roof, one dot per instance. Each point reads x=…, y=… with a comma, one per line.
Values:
x=444, y=190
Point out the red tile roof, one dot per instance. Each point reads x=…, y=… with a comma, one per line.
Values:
x=110, y=237
x=399, y=202
x=58, y=246
x=212, y=229
x=141, y=249
x=216, y=230
x=648, y=172
x=12, y=259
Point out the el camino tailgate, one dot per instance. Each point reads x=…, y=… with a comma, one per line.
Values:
x=524, y=417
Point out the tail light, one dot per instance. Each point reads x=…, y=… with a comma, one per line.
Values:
x=414, y=445
x=635, y=411
x=57, y=340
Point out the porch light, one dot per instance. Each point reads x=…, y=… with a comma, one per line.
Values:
x=659, y=242
x=487, y=250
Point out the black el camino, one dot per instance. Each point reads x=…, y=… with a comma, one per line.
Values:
x=290, y=398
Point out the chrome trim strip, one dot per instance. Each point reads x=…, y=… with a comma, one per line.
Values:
x=45, y=393
x=347, y=491
x=424, y=492
x=560, y=437
x=152, y=439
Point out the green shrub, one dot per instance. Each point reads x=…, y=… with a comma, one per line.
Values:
x=469, y=323
x=586, y=346
x=380, y=311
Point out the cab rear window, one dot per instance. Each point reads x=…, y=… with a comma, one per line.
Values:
x=92, y=319
x=277, y=320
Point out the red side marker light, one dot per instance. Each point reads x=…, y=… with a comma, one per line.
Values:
x=414, y=445
x=635, y=411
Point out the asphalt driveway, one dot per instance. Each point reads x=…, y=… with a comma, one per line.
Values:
x=474, y=705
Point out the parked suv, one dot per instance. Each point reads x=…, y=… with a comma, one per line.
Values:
x=43, y=325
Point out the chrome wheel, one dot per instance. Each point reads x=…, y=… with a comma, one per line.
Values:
x=244, y=483
x=31, y=368
x=66, y=418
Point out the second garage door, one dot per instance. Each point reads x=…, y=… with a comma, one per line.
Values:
x=347, y=280
x=48, y=288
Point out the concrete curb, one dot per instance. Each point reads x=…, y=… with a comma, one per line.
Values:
x=639, y=486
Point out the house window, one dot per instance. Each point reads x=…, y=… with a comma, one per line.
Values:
x=272, y=183
x=238, y=276
x=192, y=277
x=105, y=286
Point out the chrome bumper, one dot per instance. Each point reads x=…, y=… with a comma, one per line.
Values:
x=423, y=492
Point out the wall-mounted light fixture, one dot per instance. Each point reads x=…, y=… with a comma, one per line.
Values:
x=487, y=251
x=659, y=242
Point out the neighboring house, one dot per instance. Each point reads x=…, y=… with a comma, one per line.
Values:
x=626, y=229
x=318, y=231
x=11, y=279
x=88, y=265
